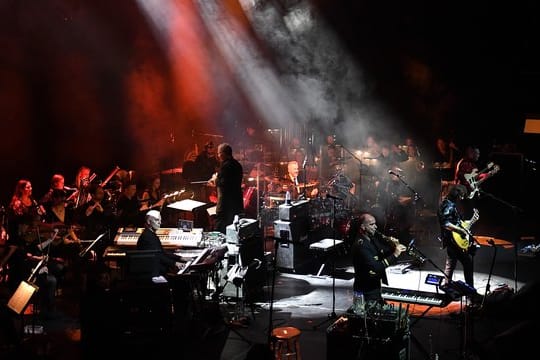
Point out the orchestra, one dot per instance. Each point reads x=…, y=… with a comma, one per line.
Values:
x=102, y=217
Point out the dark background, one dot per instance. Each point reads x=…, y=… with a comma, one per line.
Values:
x=74, y=80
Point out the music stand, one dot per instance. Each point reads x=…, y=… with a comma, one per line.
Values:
x=190, y=206
x=21, y=297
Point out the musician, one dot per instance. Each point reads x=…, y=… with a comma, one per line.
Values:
x=82, y=182
x=128, y=212
x=466, y=165
x=60, y=217
x=372, y=252
x=97, y=215
x=293, y=182
x=228, y=181
x=24, y=216
x=206, y=164
x=148, y=240
x=397, y=203
x=151, y=197
x=391, y=155
x=57, y=182
x=450, y=219
x=331, y=161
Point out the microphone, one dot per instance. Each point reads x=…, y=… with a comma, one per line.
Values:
x=391, y=172
x=67, y=188
x=328, y=196
x=305, y=162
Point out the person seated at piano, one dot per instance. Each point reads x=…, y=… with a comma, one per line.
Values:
x=372, y=252
x=148, y=240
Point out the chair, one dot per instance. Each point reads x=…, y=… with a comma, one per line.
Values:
x=286, y=343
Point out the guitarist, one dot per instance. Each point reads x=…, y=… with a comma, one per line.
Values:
x=467, y=165
x=450, y=220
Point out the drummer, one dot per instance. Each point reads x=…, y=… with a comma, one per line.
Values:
x=292, y=182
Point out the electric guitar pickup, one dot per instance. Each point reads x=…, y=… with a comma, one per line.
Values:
x=474, y=178
x=467, y=241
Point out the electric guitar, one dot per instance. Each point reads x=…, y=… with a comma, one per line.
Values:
x=466, y=242
x=473, y=178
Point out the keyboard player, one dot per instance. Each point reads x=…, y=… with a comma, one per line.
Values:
x=148, y=240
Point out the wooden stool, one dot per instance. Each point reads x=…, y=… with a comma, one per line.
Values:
x=286, y=343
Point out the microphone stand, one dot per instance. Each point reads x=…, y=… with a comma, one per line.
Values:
x=283, y=238
x=359, y=171
x=332, y=315
x=488, y=291
x=515, y=211
x=416, y=195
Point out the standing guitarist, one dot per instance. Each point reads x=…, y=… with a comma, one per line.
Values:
x=451, y=223
x=468, y=164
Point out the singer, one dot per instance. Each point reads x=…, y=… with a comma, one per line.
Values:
x=372, y=253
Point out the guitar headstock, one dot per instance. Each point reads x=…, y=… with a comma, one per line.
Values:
x=493, y=168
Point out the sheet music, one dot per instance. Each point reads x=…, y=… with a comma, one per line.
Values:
x=186, y=205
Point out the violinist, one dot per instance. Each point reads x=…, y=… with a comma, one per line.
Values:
x=372, y=252
x=82, y=182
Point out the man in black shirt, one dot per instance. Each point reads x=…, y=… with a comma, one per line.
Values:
x=228, y=181
x=148, y=240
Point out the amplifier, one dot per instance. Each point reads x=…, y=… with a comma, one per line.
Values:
x=246, y=228
x=296, y=209
x=347, y=339
x=295, y=231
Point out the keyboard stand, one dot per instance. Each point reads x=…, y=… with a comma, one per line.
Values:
x=328, y=248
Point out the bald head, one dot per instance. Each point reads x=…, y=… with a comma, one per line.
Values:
x=153, y=220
